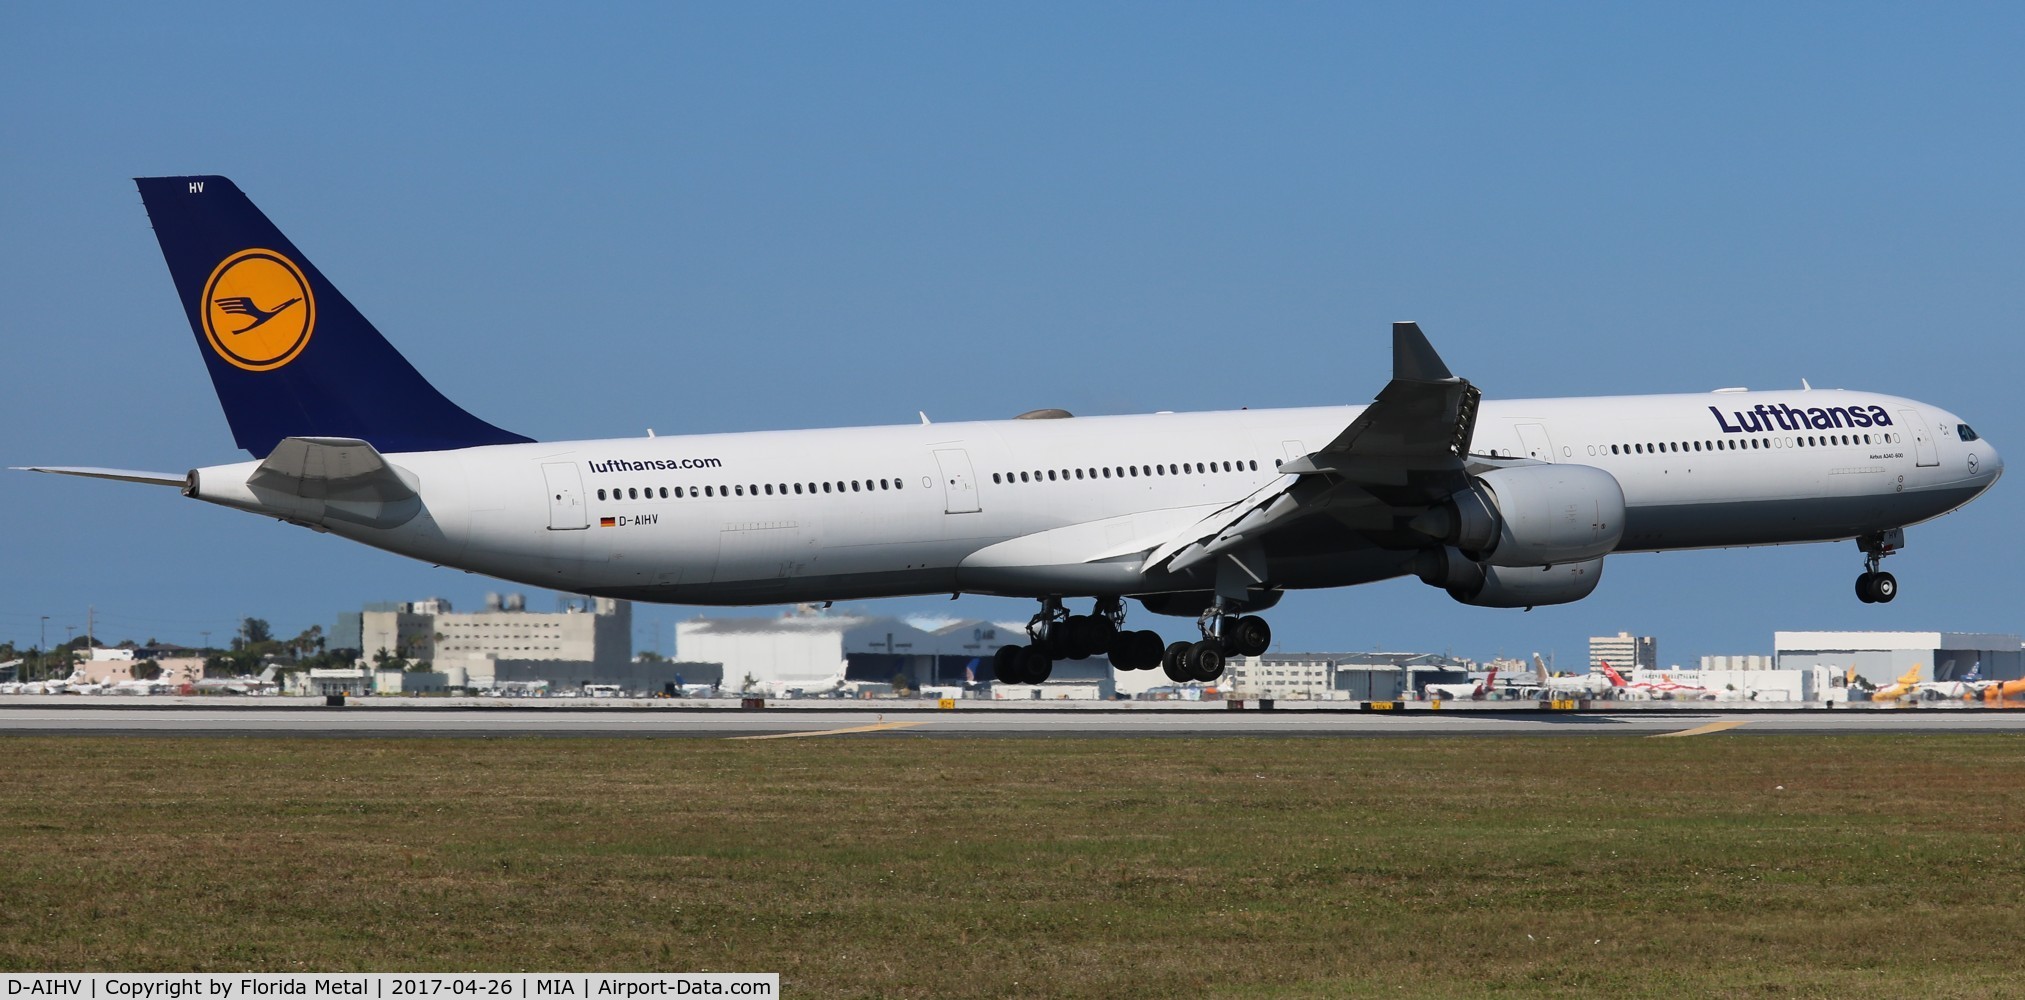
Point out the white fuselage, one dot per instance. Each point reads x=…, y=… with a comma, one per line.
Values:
x=1042, y=507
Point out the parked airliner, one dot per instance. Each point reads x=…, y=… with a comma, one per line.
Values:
x=1503, y=504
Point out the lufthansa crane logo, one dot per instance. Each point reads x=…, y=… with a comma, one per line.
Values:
x=258, y=311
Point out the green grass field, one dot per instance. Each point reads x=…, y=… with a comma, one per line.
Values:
x=900, y=865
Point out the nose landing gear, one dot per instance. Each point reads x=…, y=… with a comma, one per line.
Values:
x=1875, y=586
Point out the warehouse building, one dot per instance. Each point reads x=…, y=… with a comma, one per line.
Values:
x=1372, y=676
x=1882, y=657
x=810, y=651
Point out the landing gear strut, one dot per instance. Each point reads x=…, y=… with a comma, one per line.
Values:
x=1875, y=586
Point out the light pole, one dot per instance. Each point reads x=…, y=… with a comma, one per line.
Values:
x=44, y=648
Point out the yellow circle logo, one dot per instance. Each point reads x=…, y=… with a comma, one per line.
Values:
x=258, y=312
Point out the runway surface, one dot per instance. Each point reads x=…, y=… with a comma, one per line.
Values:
x=889, y=724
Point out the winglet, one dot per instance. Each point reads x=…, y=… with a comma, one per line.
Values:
x=1413, y=358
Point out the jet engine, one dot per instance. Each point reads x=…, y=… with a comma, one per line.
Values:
x=1528, y=516
x=1532, y=586
x=1474, y=583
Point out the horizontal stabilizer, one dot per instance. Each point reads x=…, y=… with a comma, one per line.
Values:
x=331, y=469
x=123, y=475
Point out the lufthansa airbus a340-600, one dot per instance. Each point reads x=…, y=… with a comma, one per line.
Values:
x=1211, y=516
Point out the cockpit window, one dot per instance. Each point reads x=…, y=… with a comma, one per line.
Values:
x=1965, y=432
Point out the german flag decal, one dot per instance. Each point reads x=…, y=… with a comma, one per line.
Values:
x=608, y=522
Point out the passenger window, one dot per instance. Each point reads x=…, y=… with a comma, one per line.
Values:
x=601, y=494
x=1255, y=465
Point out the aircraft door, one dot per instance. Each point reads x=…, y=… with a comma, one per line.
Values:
x=959, y=484
x=565, y=496
x=1533, y=437
x=1923, y=442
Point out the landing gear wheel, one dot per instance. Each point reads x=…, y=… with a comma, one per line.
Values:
x=1125, y=651
x=1251, y=636
x=1136, y=650
x=1036, y=665
x=1205, y=661
x=1151, y=649
x=1883, y=587
x=1086, y=635
x=1005, y=664
x=1175, y=662
x=1863, y=585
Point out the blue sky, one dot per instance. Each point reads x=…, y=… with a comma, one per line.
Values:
x=743, y=216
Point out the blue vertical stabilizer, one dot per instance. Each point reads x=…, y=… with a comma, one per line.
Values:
x=287, y=353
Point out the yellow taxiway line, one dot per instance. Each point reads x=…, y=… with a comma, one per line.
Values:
x=1713, y=727
x=873, y=728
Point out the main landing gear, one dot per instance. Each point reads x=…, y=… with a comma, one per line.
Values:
x=1875, y=586
x=1222, y=636
x=1058, y=635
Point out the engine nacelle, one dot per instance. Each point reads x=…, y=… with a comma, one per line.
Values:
x=1532, y=586
x=1532, y=515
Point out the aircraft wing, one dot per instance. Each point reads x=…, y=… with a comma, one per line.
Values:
x=1407, y=451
